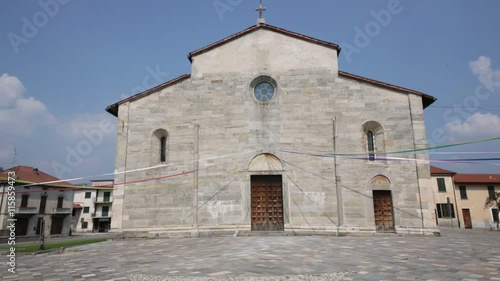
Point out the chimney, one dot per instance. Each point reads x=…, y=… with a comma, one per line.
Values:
x=35, y=171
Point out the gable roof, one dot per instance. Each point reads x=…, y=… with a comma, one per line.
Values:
x=436, y=170
x=30, y=175
x=113, y=109
x=426, y=99
x=265, y=27
x=477, y=178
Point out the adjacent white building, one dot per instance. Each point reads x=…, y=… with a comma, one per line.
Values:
x=92, y=207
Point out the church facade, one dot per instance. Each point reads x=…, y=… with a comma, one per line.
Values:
x=266, y=134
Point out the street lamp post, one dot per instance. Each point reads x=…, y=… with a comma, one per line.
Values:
x=42, y=235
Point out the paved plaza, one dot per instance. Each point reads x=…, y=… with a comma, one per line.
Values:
x=456, y=255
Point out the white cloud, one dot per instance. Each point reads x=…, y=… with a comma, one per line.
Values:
x=476, y=125
x=483, y=69
x=82, y=125
x=481, y=66
x=11, y=89
x=79, y=141
x=19, y=116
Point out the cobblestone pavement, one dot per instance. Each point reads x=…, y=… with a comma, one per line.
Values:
x=457, y=255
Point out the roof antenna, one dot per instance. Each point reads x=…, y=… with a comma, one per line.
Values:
x=261, y=10
x=14, y=157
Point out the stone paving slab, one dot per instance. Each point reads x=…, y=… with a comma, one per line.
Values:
x=321, y=277
x=457, y=255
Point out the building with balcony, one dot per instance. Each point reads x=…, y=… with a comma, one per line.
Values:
x=42, y=202
x=93, y=213
x=459, y=199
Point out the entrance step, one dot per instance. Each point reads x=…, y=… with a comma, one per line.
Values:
x=388, y=233
x=263, y=233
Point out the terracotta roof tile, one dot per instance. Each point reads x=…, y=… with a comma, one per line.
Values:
x=436, y=170
x=28, y=174
x=477, y=178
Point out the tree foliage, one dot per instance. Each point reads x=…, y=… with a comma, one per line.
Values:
x=494, y=201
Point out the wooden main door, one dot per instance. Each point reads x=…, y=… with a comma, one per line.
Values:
x=56, y=225
x=467, y=218
x=267, y=203
x=382, y=205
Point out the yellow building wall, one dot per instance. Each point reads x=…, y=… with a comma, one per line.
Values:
x=441, y=198
x=476, y=197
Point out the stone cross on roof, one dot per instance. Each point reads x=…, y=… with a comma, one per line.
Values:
x=261, y=10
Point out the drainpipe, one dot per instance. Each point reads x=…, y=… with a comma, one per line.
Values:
x=456, y=205
x=338, y=186
x=1, y=206
x=196, y=167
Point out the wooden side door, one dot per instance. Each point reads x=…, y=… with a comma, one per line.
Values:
x=38, y=226
x=382, y=205
x=22, y=226
x=107, y=196
x=43, y=202
x=267, y=203
x=24, y=200
x=467, y=218
x=60, y=202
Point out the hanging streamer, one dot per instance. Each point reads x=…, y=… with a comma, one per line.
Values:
x=124, y=172
x=451, y=161
x=414, y=150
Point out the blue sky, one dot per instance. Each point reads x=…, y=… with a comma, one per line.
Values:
x=63, y=61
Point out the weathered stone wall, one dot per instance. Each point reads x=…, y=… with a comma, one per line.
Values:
x=234, y=128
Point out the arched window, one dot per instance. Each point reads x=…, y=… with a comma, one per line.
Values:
x=371, y=146
x=374, y=139
x=163, y=149
x=159, y=147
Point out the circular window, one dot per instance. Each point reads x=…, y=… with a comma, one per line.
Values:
x=264, y=91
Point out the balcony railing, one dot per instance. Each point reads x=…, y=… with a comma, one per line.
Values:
x=103, y=201
x=101, y=215
x=61, y=211
x=27, y=210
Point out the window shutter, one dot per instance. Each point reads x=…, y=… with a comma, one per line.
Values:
x=441, y=185
x=491, y=191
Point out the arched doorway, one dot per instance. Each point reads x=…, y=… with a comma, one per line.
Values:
x=382, y=204
x=266, y=193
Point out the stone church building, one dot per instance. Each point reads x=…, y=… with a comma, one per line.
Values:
x=246, y=143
